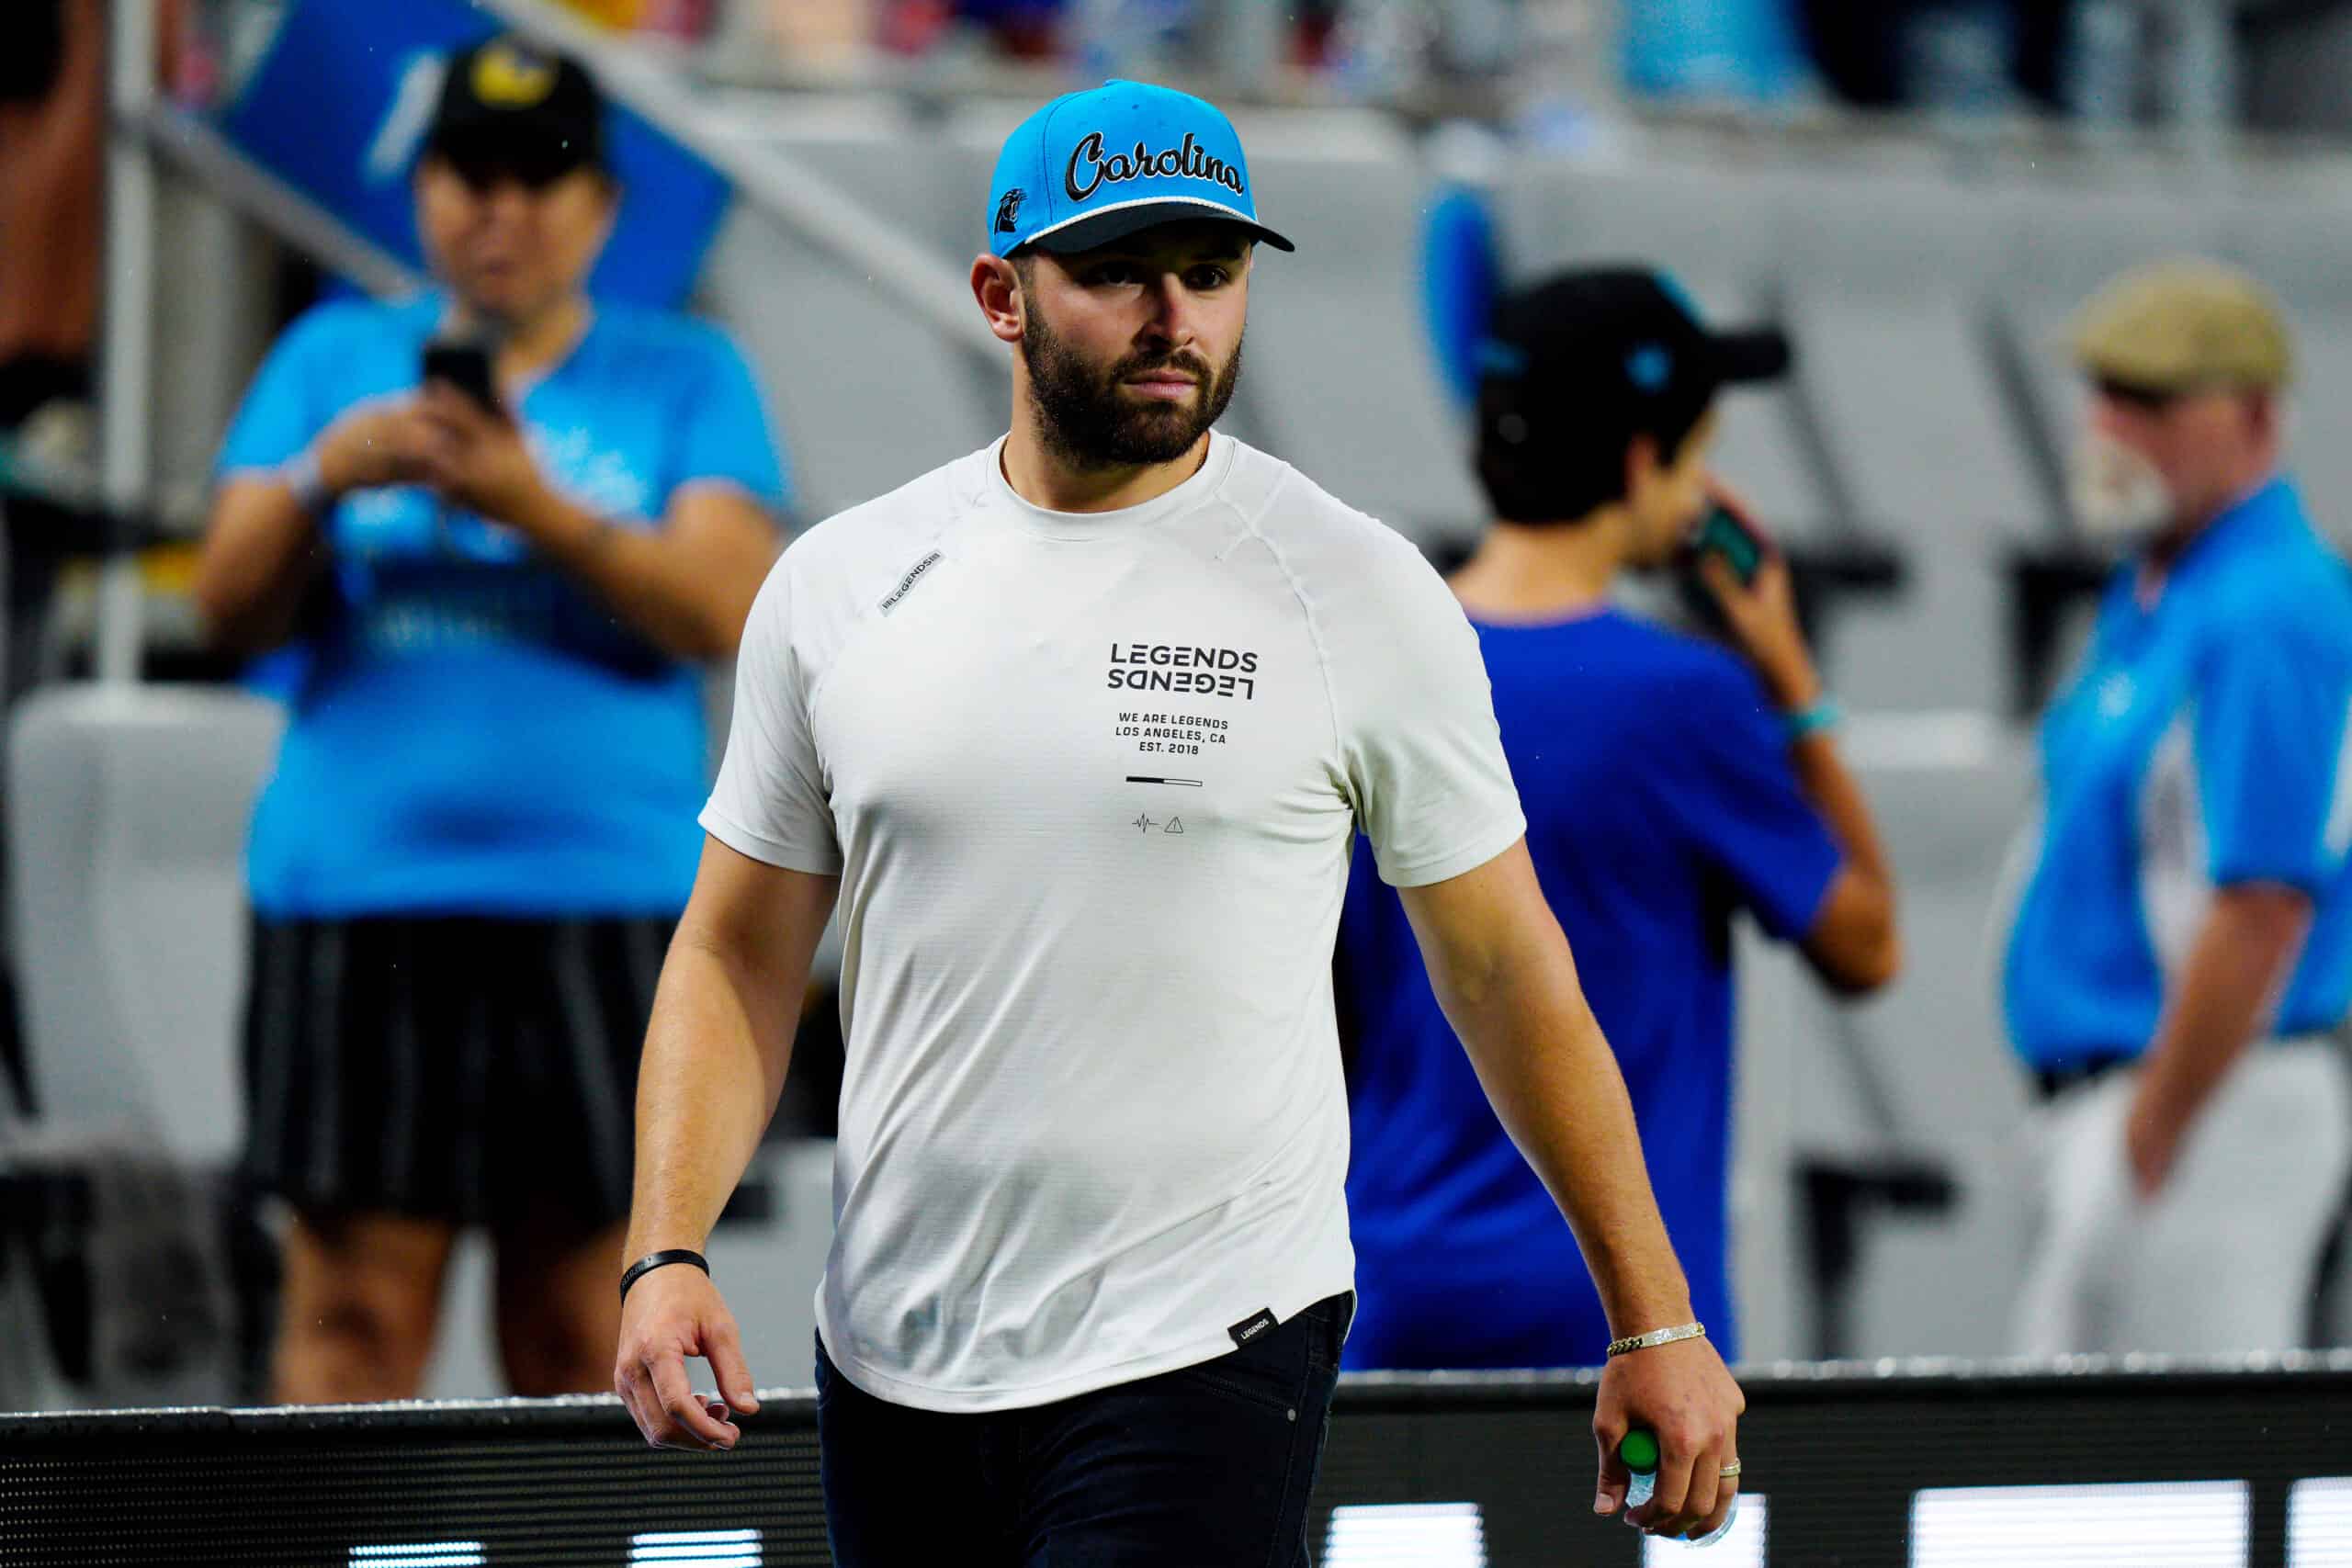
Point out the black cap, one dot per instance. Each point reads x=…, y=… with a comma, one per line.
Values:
x=1617, y=338
x=509, y=109
x=1576, y=367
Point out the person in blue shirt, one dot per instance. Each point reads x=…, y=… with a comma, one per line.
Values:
x=1669, y=784
x=2180, y=955
x=482, y=824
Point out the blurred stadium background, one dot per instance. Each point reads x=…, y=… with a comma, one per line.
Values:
x=1918, y=190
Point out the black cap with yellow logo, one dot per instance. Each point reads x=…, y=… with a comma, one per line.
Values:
x=509, y=110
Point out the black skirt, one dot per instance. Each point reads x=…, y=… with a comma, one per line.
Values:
x=478, y=1071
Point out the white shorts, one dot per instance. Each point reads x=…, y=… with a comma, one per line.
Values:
x=2225, y=1259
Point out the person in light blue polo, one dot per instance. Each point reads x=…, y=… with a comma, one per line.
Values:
x=2181, y=952
x=499, y=570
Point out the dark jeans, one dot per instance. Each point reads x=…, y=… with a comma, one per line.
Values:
x=1206, y=1467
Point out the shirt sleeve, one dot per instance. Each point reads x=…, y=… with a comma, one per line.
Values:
x=1417, y=738
x=727, y=436
x=770, y=802
x=285, y=408
x=1727, y=777
x=2269, y=739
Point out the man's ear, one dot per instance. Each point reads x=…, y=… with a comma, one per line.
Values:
x=2264, y=415
x=612, y=218
x=996, y=284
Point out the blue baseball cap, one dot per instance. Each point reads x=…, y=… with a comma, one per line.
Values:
x=1096, y=166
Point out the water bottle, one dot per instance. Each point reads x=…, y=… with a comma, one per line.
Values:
x=1638, y=1452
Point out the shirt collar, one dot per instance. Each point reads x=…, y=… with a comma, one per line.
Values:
x=2268, y=507
x=2269, y=504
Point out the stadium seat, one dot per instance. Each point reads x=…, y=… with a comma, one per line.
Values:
x=2304, y=261
x=1888, y=285
x=867, y=396
x=127, y=819
x=1913, y=419
x=1711, y=234
x=2064, y=245
x=1343, y=384
x=1952, y=824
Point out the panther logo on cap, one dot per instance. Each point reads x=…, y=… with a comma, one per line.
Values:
x=509, y=76
x=1007, y=212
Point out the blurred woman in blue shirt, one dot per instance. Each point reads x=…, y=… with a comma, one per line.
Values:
x=482, y=824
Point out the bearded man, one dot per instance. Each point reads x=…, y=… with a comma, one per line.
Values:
x=1079, y=732
x=2181, y=953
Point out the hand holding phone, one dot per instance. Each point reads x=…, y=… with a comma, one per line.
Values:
x=1756, y=609
x=1726, y=531
x=465, y=366
x=476, y=457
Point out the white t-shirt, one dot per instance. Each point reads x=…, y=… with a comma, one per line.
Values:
x=1091, y=783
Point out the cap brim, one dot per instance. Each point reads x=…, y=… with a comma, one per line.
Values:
x=532, y=148
x=1756, y=353
x=1107, y=225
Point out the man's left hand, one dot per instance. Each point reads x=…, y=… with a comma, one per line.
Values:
x=477, y=460
x=1683, y=1393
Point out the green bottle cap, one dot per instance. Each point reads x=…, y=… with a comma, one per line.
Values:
x=1639, y=1450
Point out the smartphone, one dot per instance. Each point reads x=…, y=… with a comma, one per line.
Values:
x=466, y=367
x=1726, y=533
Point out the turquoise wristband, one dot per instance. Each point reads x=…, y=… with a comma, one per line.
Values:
x=1822, y=715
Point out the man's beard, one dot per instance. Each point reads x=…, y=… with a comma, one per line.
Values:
x=2119, y=498
x=1087, y=421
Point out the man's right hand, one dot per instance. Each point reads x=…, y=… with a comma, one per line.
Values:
x=1762, y=616
x=672, y=1314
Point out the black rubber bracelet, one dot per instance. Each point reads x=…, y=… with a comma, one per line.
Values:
x=652, y=1261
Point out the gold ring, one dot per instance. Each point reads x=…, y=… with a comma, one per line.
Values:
x=1729, y=1471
